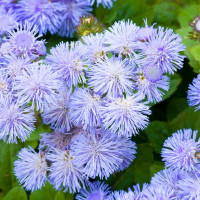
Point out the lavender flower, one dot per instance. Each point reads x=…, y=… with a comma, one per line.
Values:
x=125, y=115
x=188, y=187
x=39, y=85
x=84, y=109
x=57, y=114
x=95, y=191
x=151, y=83
x=23, y=39
x=15, y=121
x=5, y=83
x=63, y=171
x=194, y=93
x=180, y=150
x=95, y=47
x=74, y=10
x=31, y=169
x=98, y=152
x=112, y=77
x=45, y=14
x=8, y=20
x=66, y=59
x=54, y=140
x=163, y=49
x=105, y=3
x=122, y=37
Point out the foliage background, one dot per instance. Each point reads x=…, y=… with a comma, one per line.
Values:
x=167, y=116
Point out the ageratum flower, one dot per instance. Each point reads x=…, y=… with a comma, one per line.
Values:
x=163, y=49
x=111, y=76
x=57, y=114
x=66, y=60
x=15, y=66
x=95, y=47
x=189, y=187
x=45, y=14
x=84, y=109
x=31, y=169
x=5, y=83
x=54, y=140
x=63, y=172
x=152, y=83
x=122, y=38
x=180, y=150
x=125, y=116
x=194, y=93
x=94, y=191
x=23, y=39
x=8, y=20
x=100, y=152
x=15, y=121
x=74, y=10
x=38, y=85
x=105, y=3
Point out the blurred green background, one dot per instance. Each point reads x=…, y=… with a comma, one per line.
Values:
x=167, y=116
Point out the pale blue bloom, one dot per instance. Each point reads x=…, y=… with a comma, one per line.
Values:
x=125, y=116
x=111, y=76
x=16, y=121
x=63, y=172
x=194, y=93
x=95, y=191
x=66, y=60
x=45, y=14
x=122, y=38
x=179, y=150
x=31, y=169
x=38, y=85
x=105, y=3
x=84, y=109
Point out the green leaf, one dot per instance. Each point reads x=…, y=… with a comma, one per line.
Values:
x=17, y=193
x=195, y=51
x=137, y=172
x=8, y=154
x=64, y=196
x=156, y=167
x=39, y=130
x=46, y=193
x=176, y=106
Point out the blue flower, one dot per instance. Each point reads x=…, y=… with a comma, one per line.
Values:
x=5, y=83
x=151, y=83
x=125, y=116
x=31, y=169
x=122, y=37
x=57, y=114
x=8, y=20
x=188, y=187
x=194, y=93
x=163, y=49
x=94, y=47
x=98, y=152
x=23, y=39
x=63, y=172
x=94, y=191
x=45, y=14
x=74, y=10
x=15, y=121
x=105, y=3
x=84, y=109
x=66, y=60
x=55, y=140
x=38, y=84
x=112, y=77
x=180, y=150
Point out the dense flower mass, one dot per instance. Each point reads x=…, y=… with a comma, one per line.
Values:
x=87, y=99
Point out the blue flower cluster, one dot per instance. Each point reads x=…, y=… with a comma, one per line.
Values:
x=55, y=16
x=93, y=93
x=179, y=180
